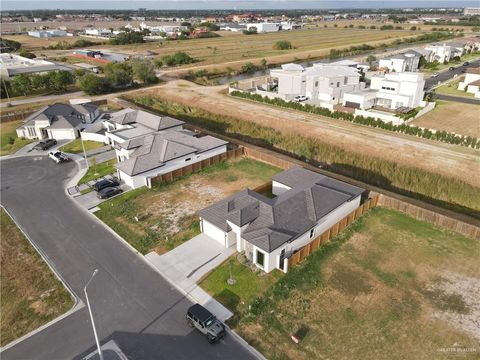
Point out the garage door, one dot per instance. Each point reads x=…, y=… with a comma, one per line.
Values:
x=353, y=105
x=213, y=232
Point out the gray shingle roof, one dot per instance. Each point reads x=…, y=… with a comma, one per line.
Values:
x=61, y=116
x=154, y=150
x=273, y=222
x=152, y=121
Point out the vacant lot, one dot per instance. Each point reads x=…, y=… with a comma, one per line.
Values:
x=9, y=142
x=454, y=117
x=388, y=287
x=31, y=294
x=32, y=43
x=166, y=216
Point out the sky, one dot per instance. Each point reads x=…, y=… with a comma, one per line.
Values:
x=229, y=4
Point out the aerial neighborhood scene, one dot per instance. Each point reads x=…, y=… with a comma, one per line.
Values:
x=219, y=179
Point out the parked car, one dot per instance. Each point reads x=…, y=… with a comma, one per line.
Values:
x=108, y=192
x=102, y=184
x=451, y=68
x=46, y=144
x=58, y=156
x=300, y=98
x=466, y=63
x=204, y=321
x=435, y=74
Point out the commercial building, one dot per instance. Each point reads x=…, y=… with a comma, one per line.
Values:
x=48, y=33
x=264, y=27
x=12, y=65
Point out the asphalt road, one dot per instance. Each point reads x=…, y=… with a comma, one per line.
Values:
x=132, y=304
x=448, y=74
x=460, y=99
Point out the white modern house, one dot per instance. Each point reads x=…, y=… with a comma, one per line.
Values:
x=408, y=61
x=269, y=230
x=324, y=84
x=128, y=123
x=58, y=121
x=444, y=52
x=264, y=27
x=471, y=83
x=151, y=155
x=395, y=90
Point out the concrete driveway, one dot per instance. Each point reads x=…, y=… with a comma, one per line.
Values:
x=188, y=263
x=90, y=200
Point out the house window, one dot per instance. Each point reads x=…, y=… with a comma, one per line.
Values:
x=316, y=83
x=31, y=131
x=338, y=83
x=345, y=80
x=260, y=258
x=312, y=233
x=188, y=159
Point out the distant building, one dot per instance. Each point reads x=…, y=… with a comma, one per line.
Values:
x=98, y=32
x=264, y=27
x=12, y=65
x=47, y=33
x=471, y=11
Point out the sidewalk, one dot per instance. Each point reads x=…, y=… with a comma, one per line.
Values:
x=185, y=265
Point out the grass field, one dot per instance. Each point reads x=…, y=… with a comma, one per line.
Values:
x=96, y=171
x=31, y=295
x=454, y=117
x=387, y=287
x=32, y=43
x=166, y=216
x=9, y=142
x=75, y=146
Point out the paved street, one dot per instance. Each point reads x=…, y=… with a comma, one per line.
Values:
x=460, y=99
x=448, y=74
x=132, y=304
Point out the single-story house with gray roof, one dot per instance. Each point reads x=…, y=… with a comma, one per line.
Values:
x=144, y=157
x=269, y=230
x=58, y=121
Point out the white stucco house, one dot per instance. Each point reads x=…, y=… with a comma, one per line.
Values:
x=442, y=52
x=396, y=90
x=128, y=123
x=269, y=230
x=144, y=157
x=324, y=84
x=471, y=83
x=58, y=121
x=407, y=61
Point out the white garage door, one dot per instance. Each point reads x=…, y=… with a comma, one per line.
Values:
x=213, y=232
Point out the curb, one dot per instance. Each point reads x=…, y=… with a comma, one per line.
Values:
x=78, y=303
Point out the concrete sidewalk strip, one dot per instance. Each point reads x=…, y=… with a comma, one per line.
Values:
x=188, y=263
x=73, y=190
x=98, y=150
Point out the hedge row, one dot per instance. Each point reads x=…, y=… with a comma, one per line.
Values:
x=442, y=136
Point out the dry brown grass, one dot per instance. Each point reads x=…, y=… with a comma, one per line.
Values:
x=31, y=295
x=32, y=43
x=453, y=117
x=372, y=299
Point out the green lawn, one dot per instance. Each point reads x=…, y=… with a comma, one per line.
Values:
x=451, y=88
x=98, y=170
x=166, y=216
x=31, y=294
x=389, y=286
x=248, y=286
x=75, y=146
x=9, y=142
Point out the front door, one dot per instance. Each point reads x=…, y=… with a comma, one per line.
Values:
x=44, y=133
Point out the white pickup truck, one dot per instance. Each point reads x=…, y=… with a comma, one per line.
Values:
x=58, y=157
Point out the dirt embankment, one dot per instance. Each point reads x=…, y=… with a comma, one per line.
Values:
x=449, y=160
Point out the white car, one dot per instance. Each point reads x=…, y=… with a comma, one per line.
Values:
x=58, y=157
x=435, y=74
x=300, y=98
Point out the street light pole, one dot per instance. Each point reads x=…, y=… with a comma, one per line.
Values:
x=91, y=315
x=84, y=152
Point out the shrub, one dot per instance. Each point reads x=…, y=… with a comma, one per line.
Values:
x=129, y=37
x=179, y=58
x=282, y=45
x=250, y=31
x=386, y=27
x=248, y=68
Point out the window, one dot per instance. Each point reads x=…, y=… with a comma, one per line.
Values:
x=316, y=83
x=260, y=258
x=188, y=159
x=345, y=80
x=338, y=83
x=312, y=233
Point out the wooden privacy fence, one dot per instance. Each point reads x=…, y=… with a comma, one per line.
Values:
x=313, y=245
x=189, y=169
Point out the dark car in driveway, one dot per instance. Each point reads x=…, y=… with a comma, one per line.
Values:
x=108, y=192
x=46, y=144
x=102, y=184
